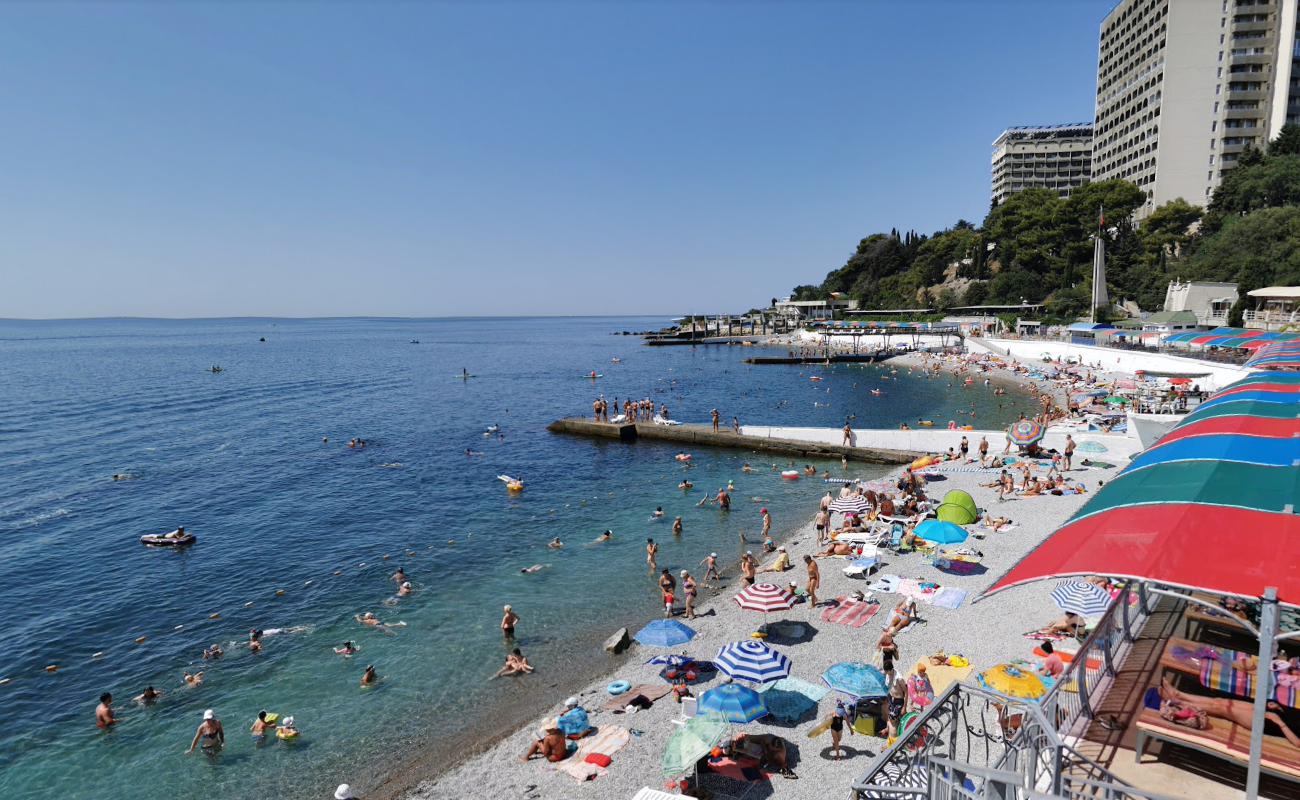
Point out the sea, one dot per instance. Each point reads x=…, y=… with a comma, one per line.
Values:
x=297, y=532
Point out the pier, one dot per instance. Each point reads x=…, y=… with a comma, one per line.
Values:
x=704, y=435
x=843, y=358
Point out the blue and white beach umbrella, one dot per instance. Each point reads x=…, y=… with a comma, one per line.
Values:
x=856, y=679
x=665, y=633
x=1082, y=598
x=734, y=702
x=752, y=661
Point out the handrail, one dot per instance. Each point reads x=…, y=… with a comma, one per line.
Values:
x=981, y=729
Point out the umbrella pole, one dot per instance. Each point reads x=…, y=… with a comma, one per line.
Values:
x=1268, y=630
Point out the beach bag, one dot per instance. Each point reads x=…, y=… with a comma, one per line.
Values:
x=1186, y=716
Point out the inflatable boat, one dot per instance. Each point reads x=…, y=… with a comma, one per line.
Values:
x=173, y=539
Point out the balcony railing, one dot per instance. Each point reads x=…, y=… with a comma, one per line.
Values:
x=972, y=743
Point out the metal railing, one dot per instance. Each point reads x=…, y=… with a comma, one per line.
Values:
x=970, y=730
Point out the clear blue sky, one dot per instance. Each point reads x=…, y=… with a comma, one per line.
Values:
x=430, y=159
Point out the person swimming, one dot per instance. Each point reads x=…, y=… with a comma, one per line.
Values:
x=369, y=678
x=348, y=649
x=555, y=544
x=605, y=537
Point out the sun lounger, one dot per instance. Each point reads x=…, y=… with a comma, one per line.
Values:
x=1224, y=739
x=658, y=420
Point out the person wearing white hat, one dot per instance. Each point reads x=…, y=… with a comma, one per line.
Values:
x=210, y=732
x=344, y=792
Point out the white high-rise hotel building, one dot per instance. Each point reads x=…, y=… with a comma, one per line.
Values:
x=1183, y=86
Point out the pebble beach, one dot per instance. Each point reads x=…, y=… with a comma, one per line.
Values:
x=986, y=633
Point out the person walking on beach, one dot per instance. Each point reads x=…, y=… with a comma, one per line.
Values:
x=983, y=449
x=716, y=418
x=668, y=584
x=964, y=449
x=711, y=568
x=820, y=522
x=689, y=589
x=826, y=500
x=651, y=550
x=1068, y=453
x=814, y=579
x=767, y=523
x=509, y=620
x=104, y=718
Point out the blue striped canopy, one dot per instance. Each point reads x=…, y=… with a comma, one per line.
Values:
x=1082, y=598
x=752, y=661
x=735, y=703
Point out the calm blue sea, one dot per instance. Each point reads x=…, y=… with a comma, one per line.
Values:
x=238, y=459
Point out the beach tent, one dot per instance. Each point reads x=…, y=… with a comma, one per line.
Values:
x=1210, y=507
x=958, y=507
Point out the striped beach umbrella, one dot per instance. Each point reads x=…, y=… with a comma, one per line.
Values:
x=1082, y=598
x=733, y=702
x=1025, y=432
x=764, y=597
x=853, y=504
x=752, y=661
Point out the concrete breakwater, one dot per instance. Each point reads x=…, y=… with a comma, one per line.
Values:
x=704, y=435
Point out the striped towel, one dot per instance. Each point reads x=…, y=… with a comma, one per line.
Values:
x=608, y=741
x=854, y=613
x=1223, y=678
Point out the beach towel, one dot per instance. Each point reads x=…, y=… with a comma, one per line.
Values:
x=910, y=587
x=607, y=741
x=1044, y=635
x=886, y=583
x=652, y=692
x=853, y=613
x=1224, y=678
x=949, y=597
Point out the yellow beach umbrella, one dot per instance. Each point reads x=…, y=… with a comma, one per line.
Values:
x=1013, y=681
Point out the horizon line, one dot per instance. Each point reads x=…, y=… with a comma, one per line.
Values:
x=333, y=317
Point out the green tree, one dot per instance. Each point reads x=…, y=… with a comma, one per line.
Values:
x=1026, y=233
x=1256, y=250
x=1287, y=142
x=1272, y=182
x=1168, y=228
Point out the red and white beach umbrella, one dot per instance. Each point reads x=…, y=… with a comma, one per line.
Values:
x=764, y=597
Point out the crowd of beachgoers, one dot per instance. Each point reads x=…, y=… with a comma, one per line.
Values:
x=841, y=627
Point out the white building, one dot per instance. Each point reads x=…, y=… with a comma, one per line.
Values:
x=1183, y=86
x=815, y=309
x=1277, y=308
x=1056, y=157
x=1210, y=302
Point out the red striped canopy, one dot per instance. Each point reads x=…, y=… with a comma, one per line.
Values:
x=764, y=597
x=1211, y=506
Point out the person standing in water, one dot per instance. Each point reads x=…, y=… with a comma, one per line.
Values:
x=677, y=527
x=651, y=550
x=210, y=734
x=104, y=718
x=509, y=620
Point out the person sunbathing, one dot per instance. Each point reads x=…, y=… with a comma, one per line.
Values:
x=1233, y=710
x=993, y=523
x=781, y=564
x=553, y=747
x=1032, y=488
x=835, y=549
x=1070, y=625
x=904, y=614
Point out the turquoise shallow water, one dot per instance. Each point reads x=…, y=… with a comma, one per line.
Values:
x=238, y=458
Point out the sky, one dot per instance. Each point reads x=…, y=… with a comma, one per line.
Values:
x=458, y=158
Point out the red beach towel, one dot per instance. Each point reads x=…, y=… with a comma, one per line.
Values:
x=854, y=613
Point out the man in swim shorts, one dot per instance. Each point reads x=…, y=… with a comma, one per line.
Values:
x=104, y=718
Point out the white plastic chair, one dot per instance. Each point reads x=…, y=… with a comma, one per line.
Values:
x=690, y=707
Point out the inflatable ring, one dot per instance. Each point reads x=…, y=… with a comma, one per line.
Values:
x=283, y=734
x=618, y=687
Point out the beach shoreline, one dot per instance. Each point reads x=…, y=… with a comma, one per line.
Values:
x=977, y=634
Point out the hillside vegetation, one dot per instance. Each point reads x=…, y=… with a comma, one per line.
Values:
x=1038, y=247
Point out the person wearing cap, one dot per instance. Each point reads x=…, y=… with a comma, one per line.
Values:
x=344, y=792
x=606, y=536
x=405, y=589
x=711, y=564
x=689, y=589
x=508, y=621
x=782, y=562
x=574, y=720
x=210, y=733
